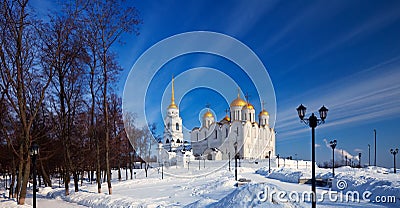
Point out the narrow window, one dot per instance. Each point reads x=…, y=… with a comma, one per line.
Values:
x=177, y=126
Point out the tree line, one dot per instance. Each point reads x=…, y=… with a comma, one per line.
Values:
x=57, y=80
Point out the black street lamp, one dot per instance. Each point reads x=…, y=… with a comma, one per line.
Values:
x=333, y=145
x=269, y=161
x=235, y=145
x=312, y=122
x=375, y=147
x=369, y=155
x=394, y=152
x=359, y=159
x=34, y=151
x=229, y=160
x=278, y=159
x=345, y=160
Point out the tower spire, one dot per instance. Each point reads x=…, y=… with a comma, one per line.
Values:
x=173, y=92
x=172, y=105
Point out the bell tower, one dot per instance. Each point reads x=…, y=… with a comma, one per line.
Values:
x=173, y=136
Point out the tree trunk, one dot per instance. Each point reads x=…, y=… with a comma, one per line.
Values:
x=25, y=181
x=119, y=171
x=107, y=126
x=13, y=173
x=19, y=176
x=146, y=167
x=76, y=181
x=46, y=178
x=98, y=171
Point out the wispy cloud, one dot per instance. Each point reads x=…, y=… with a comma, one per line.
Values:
x=372, y=94
x=358, y=150
x=370, y=25
x=341, y=153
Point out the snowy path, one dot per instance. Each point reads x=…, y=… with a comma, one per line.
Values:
x=41, y=202
x=181, y=188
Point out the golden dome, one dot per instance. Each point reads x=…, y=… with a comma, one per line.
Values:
x=248, y=106
x=263, y=113
x=208, y=114
x=226, y=118
x=172, y=105
x=238, y=102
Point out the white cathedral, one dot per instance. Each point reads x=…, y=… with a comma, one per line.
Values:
x=217, y=140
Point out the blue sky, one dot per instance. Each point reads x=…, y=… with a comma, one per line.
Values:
x=341, y=54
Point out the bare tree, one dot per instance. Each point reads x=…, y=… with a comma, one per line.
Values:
x=27, y=82
x=63, y=53
x=107, y=21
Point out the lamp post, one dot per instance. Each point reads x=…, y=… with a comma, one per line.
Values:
x=235, y=145
x=345, y=160
x=369, y=155
x=34, y=151
x=312, y=122
x=269, y=161
x=375, y=147
x=359, y=159
x=333, y=145
x=394, y=152
x=278, y=159
x=229, y=160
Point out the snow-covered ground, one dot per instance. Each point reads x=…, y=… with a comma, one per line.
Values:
x=214, y=186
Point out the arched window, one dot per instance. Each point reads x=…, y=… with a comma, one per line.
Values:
x=169, y=126
x=216, y=134
x=178, y=141
x=167, y=141
x=177, y=126
x=226, y=132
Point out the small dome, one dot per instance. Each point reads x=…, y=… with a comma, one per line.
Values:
x=225, y=119
x=263, y=113
x=173, y=105
x=208, y=114
x=248, y=106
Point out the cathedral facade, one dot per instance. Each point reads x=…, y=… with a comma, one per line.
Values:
x=240, y=132
x=216, y=140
